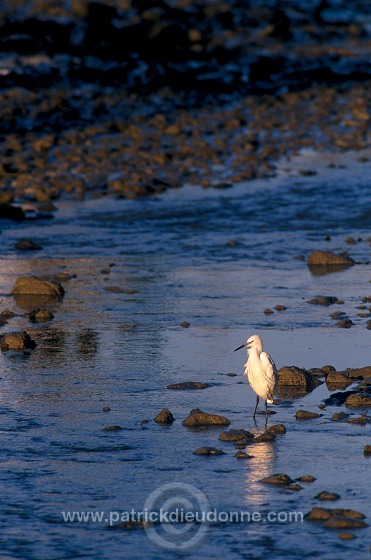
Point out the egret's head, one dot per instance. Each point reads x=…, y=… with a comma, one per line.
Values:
x=253, y=342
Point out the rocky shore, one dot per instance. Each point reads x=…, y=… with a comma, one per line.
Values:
x=130, y=98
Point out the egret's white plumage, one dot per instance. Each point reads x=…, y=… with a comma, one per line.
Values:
x=260, y=370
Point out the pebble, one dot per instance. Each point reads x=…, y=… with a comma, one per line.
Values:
x=106, y=409
x=279, y=479
x=307, y=478
x=367, y=450
x=114, y=428
x=185, y=324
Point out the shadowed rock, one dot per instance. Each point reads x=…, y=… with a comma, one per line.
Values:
x=278, y=479
x=164, y=417
x=357, y=400
x=31, y=285
x=337, y=380
x=294, y=381
x=208, y=451
x=186, y=385
x=342, y=522
x=17, y=341
x=198, y=418
x=306, y=415
x=322, y=514
x=236, y=436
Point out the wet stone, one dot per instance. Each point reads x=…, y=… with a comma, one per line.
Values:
x=113, y=428
x=236, y=436
x=345, y=323
x=323, y=300
x=27, y=245
x=346, y=536
x=276, y=429
x=243, y=455
x=17, y=341
x=31, y=285
x=341, y=522
x=40, y=315
x=367, y=450
x=208, y=451
x=199, y=418
x=327, y=496
x=307, y=478
x=278, y=479
x=185, y=324
x=357, y=400
x=306, y=415
x=339, y=416
x=106, y=409
x=164, y=417
x=188, y=385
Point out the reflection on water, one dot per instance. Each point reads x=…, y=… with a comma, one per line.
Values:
x=260, y=466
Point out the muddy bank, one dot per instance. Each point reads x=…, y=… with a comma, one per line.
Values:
x=131, y=98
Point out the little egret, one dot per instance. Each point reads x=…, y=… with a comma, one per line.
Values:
x=260, y=370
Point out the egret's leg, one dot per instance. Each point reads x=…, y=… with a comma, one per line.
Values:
x=256, y=406
x=266, y=409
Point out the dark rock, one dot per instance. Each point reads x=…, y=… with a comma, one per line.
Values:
x=306, y=415
x=31, y=285
x=40, y=315
x=279, y=479
x=346, y=536
x=307, y=478
x=27, y=245
x=243, y=455
x=361, y=420
x=106, y=409
x=198, y=418
x=328, y=369
x=9, y=212
x=339, y=397
x=341, y=522
x=276, y=429
x=317, y=372
x=236, y=436
x=345, y=323
x=323, y=514
x=323, y=300
x=266, y=436
x=184, y=324
x=114, y=428
x=208, y=451
x=367, y=450
x=164, y=417
x=339, y=416
x=328, y=496
x=188, y=385
x=17, y=341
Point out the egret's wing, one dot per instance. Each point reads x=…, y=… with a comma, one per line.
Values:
x=269, y=371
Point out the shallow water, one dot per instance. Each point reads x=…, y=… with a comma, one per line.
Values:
x=216, y=259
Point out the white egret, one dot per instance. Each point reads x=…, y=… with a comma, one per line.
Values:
x=260, y=370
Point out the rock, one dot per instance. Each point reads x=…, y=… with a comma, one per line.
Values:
x=345, y=323
x=346, y=536
x=360, y=373
x=243, y=455
x=40, y=315
x=266, y=436
x=185, y=324
x=299, y=380
x=268, y=311
x=276, y=429
x=307, y=478
x=317, y=372
x=367, y=450
x=323, y=300
x=361, y=420
x=328, y=496
x=279, y=479
x=339, y=416
x=198, y=418
x=188, y=385
x=208, y=451
x=328, y=368
x=9, y=212
x=27, y=245
x=337, y=379
x=280, y=307
x=357, y=400
x=295, y=487
x=106, y=409
x=323, y=262
x=341, y=522
x=31, y=285
x=236, y=436
x=164, y=417
x=114, y=428
x=323, y=514
x=306, y=415
x=17, y=341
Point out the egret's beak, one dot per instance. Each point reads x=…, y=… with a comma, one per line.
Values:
x=239, y=348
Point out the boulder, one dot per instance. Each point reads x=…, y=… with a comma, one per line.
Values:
x=17, y=341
